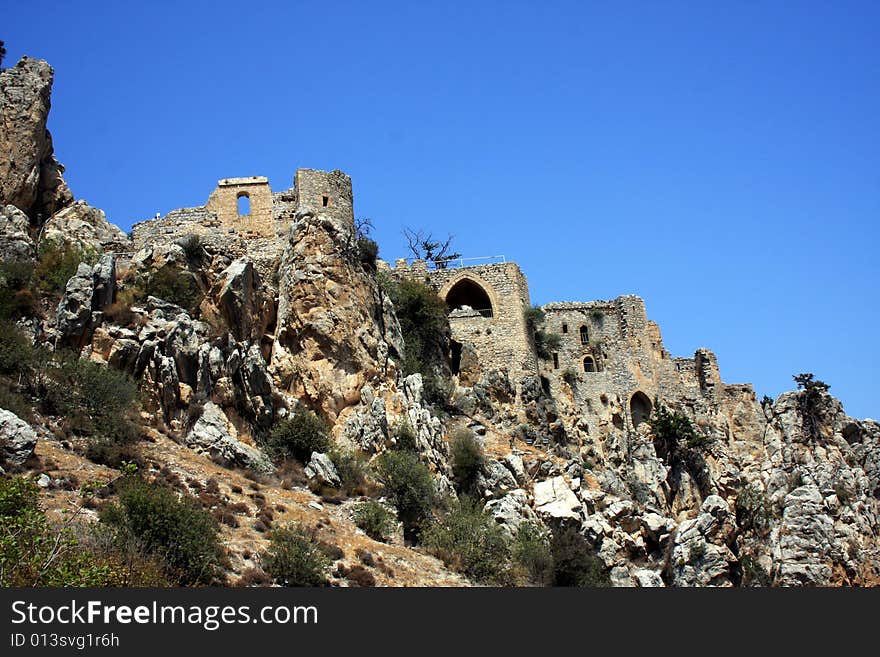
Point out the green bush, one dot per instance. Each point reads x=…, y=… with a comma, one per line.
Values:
x=545, y=343
x=368, y=252
x=192, y=248
x=470, y=541
x=57, y=262
x=175, y=286
x=574, y=563
x=299, y=435
x=351, y=466
x=13, y=401
x=295, y=557
x=467, y=458
x=409, y=485
x=15, y=350
x=406, y=438
x=531, y=552
x=96, y=400
x=16, y=290
x=753, y=511
x=377, y=521
x=175, y=529
x=35, y=552
x=674, y=430
x=570, y=376
x=424, y=325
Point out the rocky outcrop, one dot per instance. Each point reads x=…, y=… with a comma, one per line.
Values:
x=242, y=302
x=89, y=291
x=214, y=435
x=322, y=471
x=15, y=240
x=30, y=176
x=555, y=500
x=330, y=340
x=17, y=439
x=87, y=228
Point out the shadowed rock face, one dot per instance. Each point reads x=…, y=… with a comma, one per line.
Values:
x=30, y=176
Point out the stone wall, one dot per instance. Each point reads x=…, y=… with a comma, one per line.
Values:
x=498, y=334
x=328, y=192
x=224, y=200
x=625, y=356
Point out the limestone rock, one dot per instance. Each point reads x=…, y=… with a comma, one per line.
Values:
x=322, y=470
x=15, y=240
x=495, y=479
x=330, y=339
x=213, y=435
x=511, y=510
x=554, y=498
x=241, y=301
x=75, y=308
x=87, y=228
x=17, y=438
x=648, y=579
x=30, y=176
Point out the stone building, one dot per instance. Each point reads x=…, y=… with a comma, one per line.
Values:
x=486, y=315
x=243, y=216
x=611, y=361
x=611, y=354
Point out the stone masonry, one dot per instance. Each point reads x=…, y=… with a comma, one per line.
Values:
x=611, y=362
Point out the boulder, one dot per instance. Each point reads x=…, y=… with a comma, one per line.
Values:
x=511, y=510
x=87, y=228
x=322, y=470
x=213, y=435
x=553, y=498
x=17, y=438
x=15, y=240
x=494, y=479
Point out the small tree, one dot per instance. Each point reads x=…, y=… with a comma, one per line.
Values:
x=299, y=435
x=176, y=529
x=531, y=551
x=467, y=459
x=575, y=564
x=810, y=401
x=545, y=343
x=424, y=246
x=469, y=540
x=410, y=487
x=2, y=53
x=377, y=521
x=295, y=557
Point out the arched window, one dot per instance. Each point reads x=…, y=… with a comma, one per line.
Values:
x=565, y=328
x=244, y=204
x=589, y=364
x=468, y=293
x=639, y=408
x=585, y=335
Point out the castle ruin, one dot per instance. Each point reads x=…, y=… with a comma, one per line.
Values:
x=611, y=359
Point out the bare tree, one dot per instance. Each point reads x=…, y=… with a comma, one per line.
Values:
x=425, y=247
x=2, y=52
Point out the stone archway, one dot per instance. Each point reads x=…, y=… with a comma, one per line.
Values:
x=639, y=408
x=467, y=292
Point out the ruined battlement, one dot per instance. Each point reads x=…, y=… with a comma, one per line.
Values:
x=610, y=354
x=246, y=208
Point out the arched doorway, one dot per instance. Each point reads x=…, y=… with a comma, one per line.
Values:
x=639, y=408
x=469, y=293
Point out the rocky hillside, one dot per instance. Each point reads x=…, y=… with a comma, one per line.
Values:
x=277, y=397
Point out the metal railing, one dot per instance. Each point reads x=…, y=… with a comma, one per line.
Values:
x=454, y=263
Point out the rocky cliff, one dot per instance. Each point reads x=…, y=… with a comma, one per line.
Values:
x=225, y=350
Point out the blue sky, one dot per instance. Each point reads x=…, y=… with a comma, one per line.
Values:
x=720, y=159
